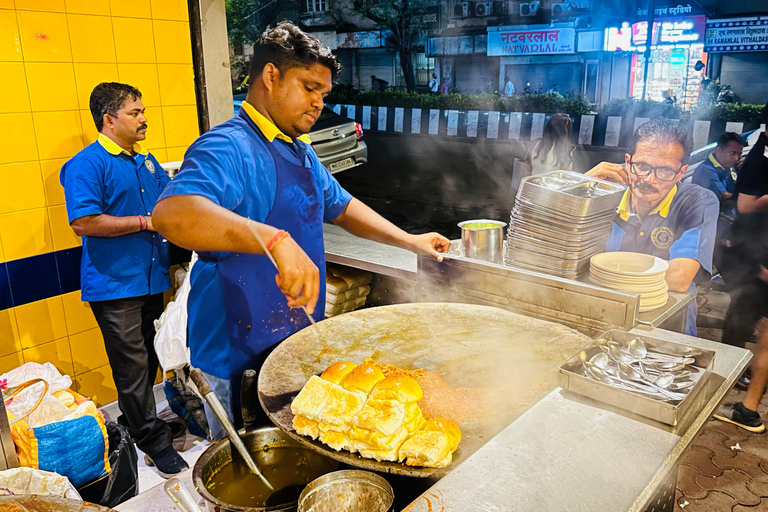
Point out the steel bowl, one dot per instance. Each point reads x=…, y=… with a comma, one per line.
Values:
x=260, y=444
x=350, y=490
x=483, y=239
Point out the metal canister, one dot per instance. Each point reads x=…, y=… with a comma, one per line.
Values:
x=483, y=239
x=349, y=490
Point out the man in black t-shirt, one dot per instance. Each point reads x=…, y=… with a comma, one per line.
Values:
x=747, y=280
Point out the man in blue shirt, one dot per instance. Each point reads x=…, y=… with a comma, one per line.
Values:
x=258, y=172
x=661, y=216
x=111, y=188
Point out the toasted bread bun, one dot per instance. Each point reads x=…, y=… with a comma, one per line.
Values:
x=65, y=397
x=448, y=428
x=364, y=439
x=305, y=426
x=385, y=416
x=362, y=378
x=398, y=387
x=414, y=419
x=338, y=371
x=336, y=440
x=342, y=405
x=380, y=455
x=312, y=398
x=425, y=448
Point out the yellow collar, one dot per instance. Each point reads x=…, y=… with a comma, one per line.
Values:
x=268, y=128
x=113, y=149
x=625, y=211
x=714, y=161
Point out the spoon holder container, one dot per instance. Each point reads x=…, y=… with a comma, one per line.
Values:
x=573, y=378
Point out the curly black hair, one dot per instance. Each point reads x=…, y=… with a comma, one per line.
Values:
x=287, y=46
x=108, y=98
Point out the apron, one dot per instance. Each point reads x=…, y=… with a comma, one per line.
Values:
x=258, y=317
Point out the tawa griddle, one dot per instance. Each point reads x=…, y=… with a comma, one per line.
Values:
x=512, y=358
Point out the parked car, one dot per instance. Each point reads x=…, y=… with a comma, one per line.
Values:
x=337, y=140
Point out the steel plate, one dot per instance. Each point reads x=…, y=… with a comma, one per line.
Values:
x=510, y=359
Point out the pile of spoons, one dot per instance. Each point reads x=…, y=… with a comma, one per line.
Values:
x=635, y=368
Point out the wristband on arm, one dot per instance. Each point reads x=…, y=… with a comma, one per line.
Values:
x=142, y=223
x=279, y=236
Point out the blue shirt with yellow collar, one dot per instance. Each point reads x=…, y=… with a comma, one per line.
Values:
x=105, y=179
x=232, y=166
x=683, y=225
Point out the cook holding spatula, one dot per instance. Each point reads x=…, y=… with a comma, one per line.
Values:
x=257, y=177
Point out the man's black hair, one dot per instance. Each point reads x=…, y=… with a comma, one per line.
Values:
x=727, y=137
x=108, y=98
x=663, y=131
x=286, y=46
x=765, y=114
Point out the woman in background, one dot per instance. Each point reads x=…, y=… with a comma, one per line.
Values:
x=552, y=152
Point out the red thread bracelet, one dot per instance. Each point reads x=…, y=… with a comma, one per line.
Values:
x=280, y=235
x=142, y=223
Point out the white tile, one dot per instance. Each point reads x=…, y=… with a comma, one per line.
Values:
x=640, y=121
x=585, y=129
x=434, y=121
x=734, y=127
x=367, y=117
x=493, y=125
x=537, y=126
x=700, y=133
x=382, y=119
x=612, y=131
x=399, y=119
x=351, y=111
x=453, y=122
x=415, y=120
x=515, y=122
x=337, y=109
x=472, y=122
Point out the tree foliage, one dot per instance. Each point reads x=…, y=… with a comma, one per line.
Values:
x=402, y=21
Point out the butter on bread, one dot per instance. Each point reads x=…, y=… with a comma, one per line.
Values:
x=425, y=448
x=398, y=387
x=385, y=416
x=312, y=398
x=448, y=428
x=342, y=405
x=362, y=378
x=305, y=427
x=337, y=371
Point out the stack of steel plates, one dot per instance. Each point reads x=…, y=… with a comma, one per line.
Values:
x=559, y=221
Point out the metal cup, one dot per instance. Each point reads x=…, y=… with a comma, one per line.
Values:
x=483, y=239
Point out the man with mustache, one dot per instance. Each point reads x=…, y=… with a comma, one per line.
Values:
x=660, y=216
x=258, y=172
x=111, y=187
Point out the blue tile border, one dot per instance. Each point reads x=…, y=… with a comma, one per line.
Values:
x=39, y=277
x=34, y=278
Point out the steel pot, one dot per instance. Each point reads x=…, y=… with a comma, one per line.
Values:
x=267, y=446
x=483, y=239
x=350, y=490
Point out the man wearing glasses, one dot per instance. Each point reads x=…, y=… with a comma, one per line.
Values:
x=659, y=215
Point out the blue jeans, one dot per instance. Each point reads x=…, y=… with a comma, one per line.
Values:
x=223, y=390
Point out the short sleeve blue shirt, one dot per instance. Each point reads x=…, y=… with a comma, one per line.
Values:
x=713, y=176
x=684, y=225
x=232, y=167
x=103, y=179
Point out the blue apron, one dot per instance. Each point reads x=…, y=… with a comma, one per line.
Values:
x=257, y=314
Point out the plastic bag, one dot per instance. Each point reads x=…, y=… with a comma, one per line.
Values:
x=171, y=328
x=18, y=481
x=50, y=408
x=123, y=481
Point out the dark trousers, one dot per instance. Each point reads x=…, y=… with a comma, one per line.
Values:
x=129, y=333
x=749, y=295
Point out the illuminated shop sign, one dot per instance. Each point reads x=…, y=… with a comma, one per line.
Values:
x=737, y=35
x=507, y=41
x=666, y=32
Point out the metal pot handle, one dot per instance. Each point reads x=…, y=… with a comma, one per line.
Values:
x=180, y=495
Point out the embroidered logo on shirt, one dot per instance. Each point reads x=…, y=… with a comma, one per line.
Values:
x=734, y=175
x=662, y=237
x=150, y=166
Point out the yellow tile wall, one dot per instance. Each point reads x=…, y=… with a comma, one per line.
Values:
x=74, y=45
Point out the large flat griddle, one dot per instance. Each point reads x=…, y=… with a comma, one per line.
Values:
x=512, y=358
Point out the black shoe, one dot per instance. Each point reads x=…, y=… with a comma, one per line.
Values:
x=168, y=462
x=740, y=416
x=744, y=381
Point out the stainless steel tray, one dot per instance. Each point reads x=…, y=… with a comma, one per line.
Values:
x=566, y=274
x=557, y=236
x=547, y=262
x=570, y=192
x=572, y=378
x=526, y=206
x=583, y=253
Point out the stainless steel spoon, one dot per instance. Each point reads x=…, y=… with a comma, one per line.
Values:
x=630, y=373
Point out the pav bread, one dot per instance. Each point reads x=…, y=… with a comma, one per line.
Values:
x=425, y=448
x=312, y=398
x=362, y=378
x=338, y=371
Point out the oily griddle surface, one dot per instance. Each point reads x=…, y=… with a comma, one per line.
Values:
x=495, y=365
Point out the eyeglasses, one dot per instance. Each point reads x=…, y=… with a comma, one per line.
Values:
x=661, y=173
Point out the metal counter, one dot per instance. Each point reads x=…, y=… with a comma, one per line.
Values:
x=571, y=453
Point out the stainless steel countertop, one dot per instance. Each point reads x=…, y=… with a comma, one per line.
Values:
x=347, y=249
x=571, y=453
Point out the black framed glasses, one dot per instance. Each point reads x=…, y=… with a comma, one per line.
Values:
x=661, y=173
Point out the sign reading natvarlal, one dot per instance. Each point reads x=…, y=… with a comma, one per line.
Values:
x=506, y=41
x=737, y=35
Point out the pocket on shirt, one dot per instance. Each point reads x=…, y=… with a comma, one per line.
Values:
x=119, y=257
